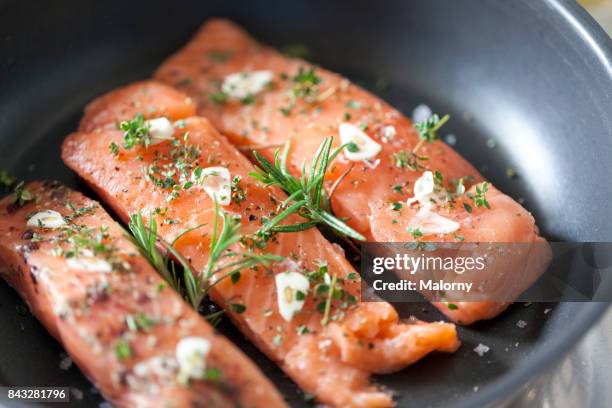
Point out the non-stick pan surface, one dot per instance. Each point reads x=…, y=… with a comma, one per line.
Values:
x=533, y=78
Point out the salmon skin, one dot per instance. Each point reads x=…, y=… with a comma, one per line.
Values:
x=333, y=360
x=98, y=296
x=305, y=104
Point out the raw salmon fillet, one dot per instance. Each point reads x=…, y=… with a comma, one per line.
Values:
x=367, y=194
x=334, y=362
x=98, y=296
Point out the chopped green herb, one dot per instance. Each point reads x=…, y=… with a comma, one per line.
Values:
x=352, y=147
x=296, y=51
x=21, y=195
x=306, y=84
x=299, y=295
x=212, y=374
x=219, y=56
x=219, y=98
x=352, y=104
x=236, y=277
x=6, y=180
x=114, y=148
x=301, y=330
x=136, y=132
x=438, y=179
x=139, y=322
x=415, y=232
x=248, y=100
x=184, y=82
x=480, y=198
x=396, y=206
x=237, y=307
x=408, y=159
x=238, y=193
x=123, y=350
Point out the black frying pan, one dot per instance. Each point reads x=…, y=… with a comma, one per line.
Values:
x=534, y=76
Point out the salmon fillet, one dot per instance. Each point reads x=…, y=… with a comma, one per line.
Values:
x=305, y=104
x=332, y=360
x=89, y=286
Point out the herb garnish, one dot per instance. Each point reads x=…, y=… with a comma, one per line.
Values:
x=21, y=195
x=6, y=180
x=196, y=286
x=136, y=132
x=219, y=56
x=305, y=87
x=480, y=198
x=307, y=197
x=428, y=132
x=123, y=349
x=428, y=129
x=416, y=233
x=296, y=51
x=219, y=97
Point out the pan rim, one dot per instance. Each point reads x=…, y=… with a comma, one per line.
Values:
x=587, y=30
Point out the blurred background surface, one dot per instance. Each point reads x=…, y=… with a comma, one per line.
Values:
x=601, y=10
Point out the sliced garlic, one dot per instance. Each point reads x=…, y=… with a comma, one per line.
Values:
x=90, y=264
x=46, y=219
x=430, y=223
x=240, y=85
x=191, y=353
x=364, y=148
x=388, y=133
x=217, y=184
x=289, y=287
x=160, y=130
x=423, y=188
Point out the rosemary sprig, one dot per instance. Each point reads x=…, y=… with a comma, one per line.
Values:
x=147, y=240
x=196, y=286
x=307, y=197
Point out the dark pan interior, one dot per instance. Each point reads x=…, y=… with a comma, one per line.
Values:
x=534, y=77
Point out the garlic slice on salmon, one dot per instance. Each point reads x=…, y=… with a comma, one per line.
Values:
x=217, y=183
x=423, y=188
x=46, y=219
x=387, y=133
x=361, y=146
x=291, y=290
x=160, y=130
x=89, y=263
x=240, y=85
x=430, y=223
x=191, y=353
